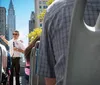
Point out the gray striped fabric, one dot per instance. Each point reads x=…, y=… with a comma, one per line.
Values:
x=54, y=39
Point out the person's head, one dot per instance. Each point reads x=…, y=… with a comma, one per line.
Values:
x=15, y=35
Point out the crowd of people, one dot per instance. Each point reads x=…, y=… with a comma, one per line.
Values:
x=16, y=48
x=53, y=45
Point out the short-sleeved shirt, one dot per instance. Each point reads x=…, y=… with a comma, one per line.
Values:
x=54, y=39
x=18, y=44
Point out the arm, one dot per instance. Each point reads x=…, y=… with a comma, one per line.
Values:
x=18, y=49
x=21, y=47
x=4, y=39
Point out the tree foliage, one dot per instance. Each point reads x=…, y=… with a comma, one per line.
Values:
x=49, y=2
x=42, y=14
x=35, y=33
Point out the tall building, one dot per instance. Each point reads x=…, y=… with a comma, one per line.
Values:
x=3, y=24
x=2, y=20
x=32, y=22
x=11, y=20
x=40, y=5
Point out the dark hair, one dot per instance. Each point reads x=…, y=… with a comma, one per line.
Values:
x=29, y=48
x=16, y=31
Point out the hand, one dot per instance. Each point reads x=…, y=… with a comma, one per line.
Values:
x=15, y=49
x=2, y=37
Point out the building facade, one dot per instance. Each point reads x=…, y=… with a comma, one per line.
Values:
x=11, y=22
x=3, y=29
x=40, y=5
x=32, y=22
x=2, y=20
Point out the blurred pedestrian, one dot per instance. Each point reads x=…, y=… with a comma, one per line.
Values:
x=16, y=48
x=33, y=39
x=3, y=75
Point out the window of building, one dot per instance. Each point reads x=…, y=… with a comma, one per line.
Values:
x=44, y=2
x=40, y=25
x=40, y=20
x=1, y=20
x=40, y=7
x=44, y=7
x=39, y=2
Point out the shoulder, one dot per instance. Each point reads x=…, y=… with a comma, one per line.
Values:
x=19, y=41
x=10, y=41
x=4, y=50
x=56, y=9
x=3, y=47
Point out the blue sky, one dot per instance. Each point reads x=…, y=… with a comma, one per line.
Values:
x=23, y=9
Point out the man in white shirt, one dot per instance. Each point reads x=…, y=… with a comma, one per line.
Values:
x=16, y=47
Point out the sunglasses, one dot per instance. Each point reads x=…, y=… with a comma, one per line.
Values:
x=15, y=34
